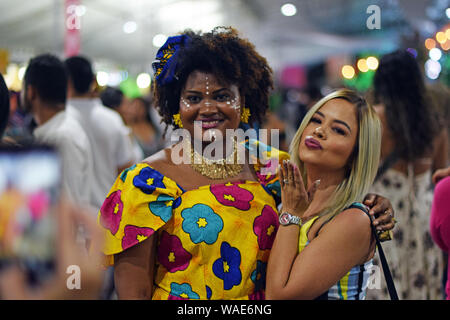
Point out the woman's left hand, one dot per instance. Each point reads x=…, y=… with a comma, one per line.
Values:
x=382, y=211
x=294, y=197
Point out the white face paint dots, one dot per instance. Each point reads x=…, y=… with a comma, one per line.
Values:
x=185, y=102
x=207, y=85
x=208, y=92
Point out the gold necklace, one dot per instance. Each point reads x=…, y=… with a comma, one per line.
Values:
x=217, y=169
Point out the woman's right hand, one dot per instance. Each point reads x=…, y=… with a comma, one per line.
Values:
x=294, y=197
x=440, y=174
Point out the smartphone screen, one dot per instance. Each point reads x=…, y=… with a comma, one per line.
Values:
x=29, y=190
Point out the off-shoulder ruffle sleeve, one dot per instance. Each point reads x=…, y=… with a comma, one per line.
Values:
x=139, y=203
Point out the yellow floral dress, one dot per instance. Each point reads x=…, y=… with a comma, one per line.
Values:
x=213, y=241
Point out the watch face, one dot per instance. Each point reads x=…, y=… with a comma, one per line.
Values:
x=284, y=218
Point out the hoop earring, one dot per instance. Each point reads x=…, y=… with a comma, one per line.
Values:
x=177, y=120
x=245, y=115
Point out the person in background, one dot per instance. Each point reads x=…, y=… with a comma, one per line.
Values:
x=440, y=96
x=440, y=174
x=4, y=106
x=110, y=140
x=109, y=137
x=115, y=99
x=414, y=145
x=147, y=134
x=440, y=222
x=44, y=96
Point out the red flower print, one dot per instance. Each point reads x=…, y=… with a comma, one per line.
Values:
x=268, y=172
x=132, y=235
x=230, y=194
x=171, y=297
x=258, y=295
x=111, y=212
x=265, y=227
x=171, y=253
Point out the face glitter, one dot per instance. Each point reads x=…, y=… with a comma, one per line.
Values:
x=185, y=102
x=207, y=85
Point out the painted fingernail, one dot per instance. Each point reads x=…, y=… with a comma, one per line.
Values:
x=375, y=223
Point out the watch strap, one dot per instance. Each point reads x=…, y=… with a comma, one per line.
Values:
x=292, y=219
x=296, y=220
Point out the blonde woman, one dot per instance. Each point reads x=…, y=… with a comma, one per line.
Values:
x=324, y=245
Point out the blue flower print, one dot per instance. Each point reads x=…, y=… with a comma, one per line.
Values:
x=183, y=290
x=208, y=292
x=123, y=175
x=259, y=275
x=227, y=266
x=148, y=180
x=275, y=187
x=162, y=207
x=201, y=223
x=176, y=203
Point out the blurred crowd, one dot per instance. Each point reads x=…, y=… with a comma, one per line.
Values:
x=101, y=131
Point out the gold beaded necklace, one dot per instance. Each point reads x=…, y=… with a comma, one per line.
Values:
x=217, y=169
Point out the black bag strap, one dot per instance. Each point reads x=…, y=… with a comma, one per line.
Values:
x=387, y=272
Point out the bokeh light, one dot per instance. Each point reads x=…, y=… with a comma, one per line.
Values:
x=288, y=9
x=430, y=43
x=372, y=63
x=432, y=69
x=143, y=80
x=348, y=72
x=441, y=37
x=435, y=54
x=362, y=65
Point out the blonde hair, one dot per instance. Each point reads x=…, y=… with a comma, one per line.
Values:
x=364, y=159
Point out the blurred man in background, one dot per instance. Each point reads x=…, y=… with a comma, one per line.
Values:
x=44, y=96
x=109, y=137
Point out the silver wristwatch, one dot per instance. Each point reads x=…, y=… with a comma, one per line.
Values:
x=287, y=219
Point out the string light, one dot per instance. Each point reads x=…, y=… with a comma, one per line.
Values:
x=441, y=37
x=435, y=54
x=348, y=71
x=362, y=65
x=372, y=63
x=432, y=69
x=430, y=43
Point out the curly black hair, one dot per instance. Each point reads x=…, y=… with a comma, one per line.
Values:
x=399, y=85
x=231, y=59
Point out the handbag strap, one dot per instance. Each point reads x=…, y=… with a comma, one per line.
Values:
x=387, y=272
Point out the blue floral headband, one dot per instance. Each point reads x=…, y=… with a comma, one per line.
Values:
x=165, y=63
